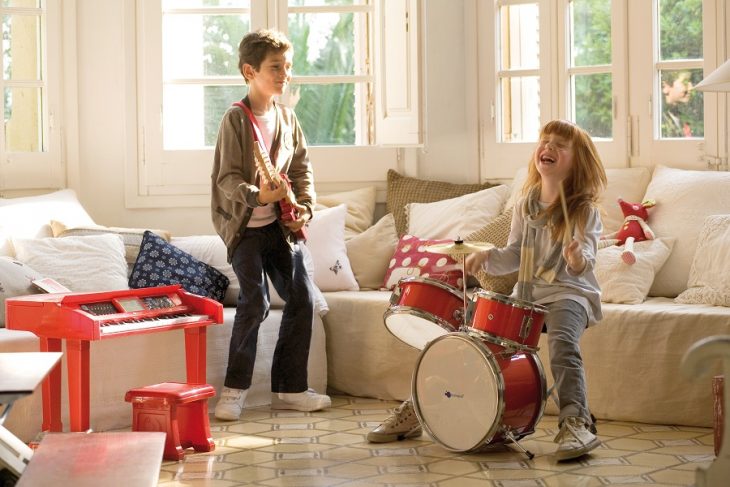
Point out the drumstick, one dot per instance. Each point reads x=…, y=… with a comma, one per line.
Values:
x=567, y=234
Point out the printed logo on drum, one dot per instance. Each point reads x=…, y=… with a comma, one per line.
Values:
x=450, y=394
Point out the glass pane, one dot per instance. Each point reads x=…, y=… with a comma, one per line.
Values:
x=520, y=108
x=682, y=112
x=22, y=3
x=325, y=44
x=23, y=119
x=591, y=32
x=326, y=112
x=167, y=4
x=191, y=114
x=21, y=47
x=320, y=3
x=520, y=36
x=202, y=45
x=680, y=27
x=593, y=107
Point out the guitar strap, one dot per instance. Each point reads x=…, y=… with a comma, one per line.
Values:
x=257, y=135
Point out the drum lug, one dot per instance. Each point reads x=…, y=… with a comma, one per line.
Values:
x=526, y=327
x=395, y=296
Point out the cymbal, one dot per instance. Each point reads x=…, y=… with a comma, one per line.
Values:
x=458, y=247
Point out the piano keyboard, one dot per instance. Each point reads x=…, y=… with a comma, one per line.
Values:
x=144, y=324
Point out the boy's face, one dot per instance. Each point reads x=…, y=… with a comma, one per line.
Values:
x=273, y=76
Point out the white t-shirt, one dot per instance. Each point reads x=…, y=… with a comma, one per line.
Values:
x=263, y=215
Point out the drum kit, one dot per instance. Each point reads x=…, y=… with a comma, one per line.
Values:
x=478, y=380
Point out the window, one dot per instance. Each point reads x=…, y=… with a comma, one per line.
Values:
x=624, y=71
x=188, y=77
x=30, y=142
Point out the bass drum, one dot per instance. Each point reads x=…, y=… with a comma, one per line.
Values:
x=469, y=393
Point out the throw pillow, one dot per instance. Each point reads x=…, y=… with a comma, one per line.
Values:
x=29, y=217
x=132, y=237
x=326, y=242
x=402, y=190
x=82, y=264
x=456, y=217
x=411, y=259
x=211, y=250
x=496, y=232
x=370, y=252
x=360, y=208
x=15, y=280
x=684, y=199
x=629, y=284
x=160, y=263
x=709, y=276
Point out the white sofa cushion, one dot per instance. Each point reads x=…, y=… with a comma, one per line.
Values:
x=326, y=242
x=684, y=199
x=30, y=216
x=629, y=284
x=15, y=280
x=709, y=276
x=82, y=264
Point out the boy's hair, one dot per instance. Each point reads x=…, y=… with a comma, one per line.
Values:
x=254, y=47
x=585, y=182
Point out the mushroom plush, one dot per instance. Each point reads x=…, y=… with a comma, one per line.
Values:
x=634, y=229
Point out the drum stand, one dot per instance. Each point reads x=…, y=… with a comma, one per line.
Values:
x=508, y=434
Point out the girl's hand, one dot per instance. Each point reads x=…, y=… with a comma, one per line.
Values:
x=475, y=262
x=573, y=255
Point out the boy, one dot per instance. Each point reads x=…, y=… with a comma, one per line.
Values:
x=245, y=213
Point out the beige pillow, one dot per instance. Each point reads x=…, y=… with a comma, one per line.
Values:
x=629, y=284
x=360, y=208
x=709, y=276
x=684, y=199
x=82, y=264
x=132, y=237
x=403, y=190
x=370, y=252
x=495, y=232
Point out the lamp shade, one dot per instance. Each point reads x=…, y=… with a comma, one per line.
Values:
x=718, y=80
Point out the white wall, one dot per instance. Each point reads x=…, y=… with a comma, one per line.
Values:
x=106, y=92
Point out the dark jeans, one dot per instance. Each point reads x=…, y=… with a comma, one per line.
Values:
x=264, y=250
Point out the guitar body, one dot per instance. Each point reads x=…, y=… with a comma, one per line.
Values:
x=289, y=212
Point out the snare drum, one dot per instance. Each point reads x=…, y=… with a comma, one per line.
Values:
x=422, y=309
x=467, y=397
x=509, y=322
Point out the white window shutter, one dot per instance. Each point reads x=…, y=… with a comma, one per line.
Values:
x=397, y=73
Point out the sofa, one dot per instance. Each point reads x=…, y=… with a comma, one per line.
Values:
x=675, y=294
x=52, y=235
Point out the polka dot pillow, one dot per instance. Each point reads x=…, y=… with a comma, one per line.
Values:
x=412, y=260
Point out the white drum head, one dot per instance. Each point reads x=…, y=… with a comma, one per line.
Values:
x=457, y=388
x=414, y=328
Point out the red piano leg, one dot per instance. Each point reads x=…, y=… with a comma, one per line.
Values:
x=78, y=383
x=195, y=354
x=51, y=389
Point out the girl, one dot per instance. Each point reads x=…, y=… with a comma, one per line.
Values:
x=555, y=254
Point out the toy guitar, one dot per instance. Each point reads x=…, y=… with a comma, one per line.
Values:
x=271, y=176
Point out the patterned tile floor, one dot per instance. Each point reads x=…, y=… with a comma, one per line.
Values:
x=328, y=448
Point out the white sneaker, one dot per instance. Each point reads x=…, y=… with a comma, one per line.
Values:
x=308, y=400
x=575, y=439
x=402, y=424
x=230, y=404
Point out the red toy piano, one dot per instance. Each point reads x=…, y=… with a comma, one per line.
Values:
x=80, y=318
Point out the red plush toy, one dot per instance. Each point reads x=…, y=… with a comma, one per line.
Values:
x=634, y=229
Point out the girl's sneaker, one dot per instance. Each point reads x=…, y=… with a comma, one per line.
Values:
x=402, y=424
x=575, y=439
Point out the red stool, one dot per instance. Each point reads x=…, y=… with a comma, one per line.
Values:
x=180, y=410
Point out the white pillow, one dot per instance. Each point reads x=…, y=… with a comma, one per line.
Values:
x=629, y=284
x=326, y=242
x=15, y=280
x=709, y=276
x=683, y=200
x=82, y=264
x=360, y=208
x=30, y=216
x=370, y=252
x=211, y=250
x=456, y=217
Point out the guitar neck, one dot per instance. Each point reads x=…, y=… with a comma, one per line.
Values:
x=266, y=168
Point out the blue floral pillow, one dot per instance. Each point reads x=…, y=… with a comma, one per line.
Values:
x=160, y=263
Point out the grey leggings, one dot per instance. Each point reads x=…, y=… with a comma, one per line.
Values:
x=566, y=320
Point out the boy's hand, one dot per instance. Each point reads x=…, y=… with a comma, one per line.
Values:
x=269, y=193
x=475, y=262
x=573, y=255
x=303, y=217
